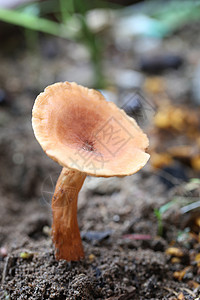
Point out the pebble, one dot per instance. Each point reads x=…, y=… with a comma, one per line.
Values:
x=160, y=63
x=116, y=218
x=3, y=251
x=3, y=98
x=46, y=230
x=188, y=276
x=125, y=280
x=99, y=19
x=95, y=235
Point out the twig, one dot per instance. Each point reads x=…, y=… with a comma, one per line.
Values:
x=188, y=291
x=190, y=206
x=5, y=269
x=170, y=290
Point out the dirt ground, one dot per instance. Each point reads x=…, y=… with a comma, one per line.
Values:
x=124, y=256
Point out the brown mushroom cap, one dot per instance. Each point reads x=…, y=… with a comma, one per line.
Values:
x=80, y=130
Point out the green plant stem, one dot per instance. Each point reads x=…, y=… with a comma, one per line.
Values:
x=33, y=22
x=66, y=9
x=159, y=221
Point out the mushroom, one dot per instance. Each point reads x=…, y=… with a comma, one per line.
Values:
x=86, y=135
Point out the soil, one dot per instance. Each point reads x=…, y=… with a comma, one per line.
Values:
x=124, y=256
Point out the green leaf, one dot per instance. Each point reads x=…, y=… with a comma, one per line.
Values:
x=33, y=22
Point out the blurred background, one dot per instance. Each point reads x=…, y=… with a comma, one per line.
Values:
x=142, y=55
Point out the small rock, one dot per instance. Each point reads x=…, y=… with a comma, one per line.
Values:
x=46, y=230
x=188, y=276
x=150, y=284
x=3, y=98
x=3, y=251
x=160, y=63
x=99, y=19
x=96, y=235
x=116, y=218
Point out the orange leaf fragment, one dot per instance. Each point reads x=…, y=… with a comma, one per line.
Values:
x=175, y=260
x=193, y=284
x=173, y=251
x=170, y=117
x=181, y=296
x=180, y=274
x=154, y=85
x=195, y=162
x=197, y=259
x=159, y=160
x=197, y=221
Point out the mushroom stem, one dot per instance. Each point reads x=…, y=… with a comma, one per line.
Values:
x=65, y=230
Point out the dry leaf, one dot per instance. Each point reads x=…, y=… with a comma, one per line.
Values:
x=159, y=160
x=193, y=284
x=197, y=221
x=195, y=162
x=180, y=274
x=154, y=85
x=181, y=296
x=175, y=260
x=173, y=251
x=197, y=259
